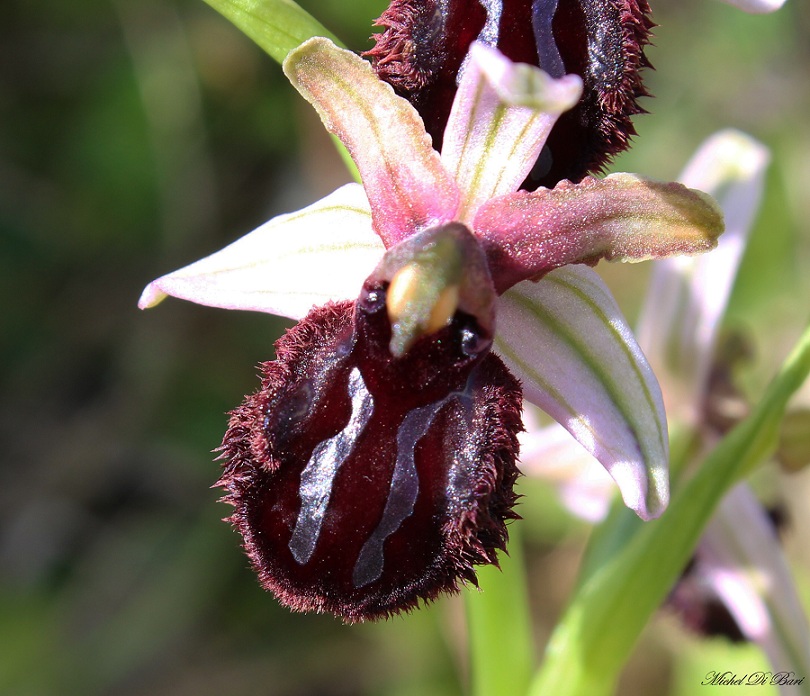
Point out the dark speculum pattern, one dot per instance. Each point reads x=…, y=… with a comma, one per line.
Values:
x=362, y=483
x=424, y=44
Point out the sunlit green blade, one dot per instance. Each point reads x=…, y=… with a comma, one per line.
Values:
x=278, y=26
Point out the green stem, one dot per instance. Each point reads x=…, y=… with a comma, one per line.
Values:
x=611, y=607
x=499, y=626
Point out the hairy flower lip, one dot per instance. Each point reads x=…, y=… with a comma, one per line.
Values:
x=459, y=515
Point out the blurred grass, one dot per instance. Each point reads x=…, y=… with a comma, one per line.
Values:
x=136, y=136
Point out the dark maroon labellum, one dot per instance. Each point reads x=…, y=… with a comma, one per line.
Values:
x=700, y=608
x=363, y=483
x=696, y=602
x=424, y=44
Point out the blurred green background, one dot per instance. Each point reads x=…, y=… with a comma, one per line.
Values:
x=139, y=135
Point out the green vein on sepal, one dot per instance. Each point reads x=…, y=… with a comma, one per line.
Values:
x=591, y=357
x=587, y=356
x=508, y=351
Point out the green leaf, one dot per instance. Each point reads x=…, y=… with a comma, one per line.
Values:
x=607, y=614
x=278, y=26
x=499, y=628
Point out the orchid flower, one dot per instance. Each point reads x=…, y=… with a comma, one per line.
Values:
x=757, y=6
x=739, y=558
x=424, y=49
x=375, y=465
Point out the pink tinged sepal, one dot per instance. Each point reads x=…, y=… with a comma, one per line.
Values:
x=408, y=187
x=623, y=217
x=501, y=117
x=757, y=6
x=564, y=337
x=740, y=556
x=321, y=253
x=688, y=295
x=550, y=453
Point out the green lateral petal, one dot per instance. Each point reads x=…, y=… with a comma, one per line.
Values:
x=564, y=337
x=323, y=252
x=278, y=26
x=501, y=117
x=620, y=218
x=688, y=296
x=405, y=181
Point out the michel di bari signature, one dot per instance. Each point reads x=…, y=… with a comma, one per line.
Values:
x=753, y=679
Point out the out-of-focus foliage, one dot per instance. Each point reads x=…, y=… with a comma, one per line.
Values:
x=139, y=135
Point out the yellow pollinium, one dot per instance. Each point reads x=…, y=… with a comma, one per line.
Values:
x=408, y=290
x=444, y=309
x=419, y=302
x=430, y=277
